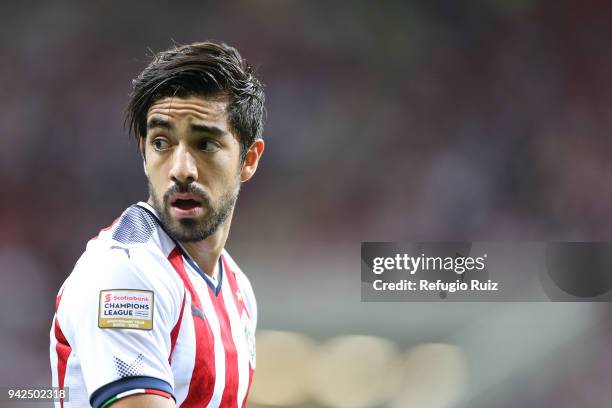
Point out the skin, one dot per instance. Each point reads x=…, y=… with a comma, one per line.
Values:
x=178, y=154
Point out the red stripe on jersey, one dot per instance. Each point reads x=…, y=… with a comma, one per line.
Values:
x=231, y=278
x=58, y=299
x=202, y=384
x=229, y=399
x=157, y=392
x=175, y=330
x=63, y=350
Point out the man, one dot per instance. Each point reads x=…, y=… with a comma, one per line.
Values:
x=156, y=313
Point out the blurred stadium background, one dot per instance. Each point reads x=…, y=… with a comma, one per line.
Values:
x=387, y=121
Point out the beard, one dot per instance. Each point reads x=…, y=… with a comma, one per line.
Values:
x=194, y=229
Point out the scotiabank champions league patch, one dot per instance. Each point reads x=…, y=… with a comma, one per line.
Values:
x=126, y=309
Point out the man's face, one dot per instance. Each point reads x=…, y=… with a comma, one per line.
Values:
x=193, y=165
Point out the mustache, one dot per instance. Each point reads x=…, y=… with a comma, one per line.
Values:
x=187, y=188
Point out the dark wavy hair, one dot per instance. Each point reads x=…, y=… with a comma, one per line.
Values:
x=208, y=69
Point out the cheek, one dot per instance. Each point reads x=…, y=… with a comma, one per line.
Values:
x=222, y=170
x=157, y=166
x=156, y=179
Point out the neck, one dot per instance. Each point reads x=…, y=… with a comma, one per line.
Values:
x=206, y=253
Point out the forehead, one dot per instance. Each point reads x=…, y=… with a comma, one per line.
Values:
x=192, y=109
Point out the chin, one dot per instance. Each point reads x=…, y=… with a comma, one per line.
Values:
x=187, y=223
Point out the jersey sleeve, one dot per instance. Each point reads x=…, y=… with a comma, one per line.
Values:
x=117, y=311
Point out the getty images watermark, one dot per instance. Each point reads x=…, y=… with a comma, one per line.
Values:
x=483, y=271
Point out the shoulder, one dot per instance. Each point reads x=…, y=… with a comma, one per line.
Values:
x=135, y=226
x=104, y=267
x=105, y=263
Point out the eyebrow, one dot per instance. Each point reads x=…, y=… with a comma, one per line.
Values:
x=212, y=130
x=158, y=122
x=163, y=123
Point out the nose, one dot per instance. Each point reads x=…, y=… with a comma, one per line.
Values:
x=184, y=169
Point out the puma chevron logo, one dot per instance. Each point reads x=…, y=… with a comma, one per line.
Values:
x=197, y=312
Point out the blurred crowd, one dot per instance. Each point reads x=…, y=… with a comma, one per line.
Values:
x=402, y=120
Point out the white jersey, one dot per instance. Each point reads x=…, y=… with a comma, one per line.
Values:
x=137, y=315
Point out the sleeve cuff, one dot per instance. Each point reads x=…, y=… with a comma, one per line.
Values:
x=109, y=393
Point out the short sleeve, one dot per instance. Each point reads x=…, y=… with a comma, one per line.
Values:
x=117, y=311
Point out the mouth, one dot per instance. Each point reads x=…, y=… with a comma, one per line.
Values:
x=185, y=205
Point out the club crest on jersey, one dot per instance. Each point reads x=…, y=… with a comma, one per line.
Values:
x=126, y=309
x=249, y=334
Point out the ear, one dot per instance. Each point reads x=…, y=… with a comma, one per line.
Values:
x=141, y=147
x=251, y=159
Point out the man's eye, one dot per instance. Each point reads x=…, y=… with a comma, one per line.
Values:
x=160, y=144
x=209, y=146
